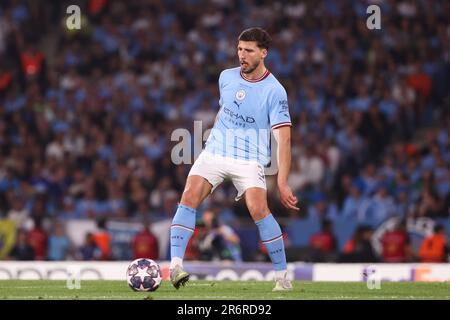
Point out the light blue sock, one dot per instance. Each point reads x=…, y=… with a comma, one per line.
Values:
x=181, y=230
x=272, y=238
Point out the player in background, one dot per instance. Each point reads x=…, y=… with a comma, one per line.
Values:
x=252, y=104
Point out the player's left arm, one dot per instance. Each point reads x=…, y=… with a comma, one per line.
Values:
x=283, y=137
x=280, y=122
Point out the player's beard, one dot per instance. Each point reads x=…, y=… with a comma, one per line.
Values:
x=250, y=68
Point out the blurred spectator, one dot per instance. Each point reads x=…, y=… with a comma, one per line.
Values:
x=321, y=208
x=145, y=244
x=5, y=81
x=311, y=168
x=356, y=204
x=434, y=248
x=18, y=212
x=342, y=188
x=359, y=248
x=102, y=239
x=192, y=250
x=419, y=80
x=22, y=250
x=403, y=206
x=68, y=210
x=351, y=144
x=430, y=205
x=396, y=244
x=95, y=7
x=216, y=241
x=324, y=243
x=33, y=64
x=375, y=129
x=370, y=179
x=89, y=249
x=7, y=236
x=382, y=205
x=38, y=239
x=403, y=94
x=58, y=243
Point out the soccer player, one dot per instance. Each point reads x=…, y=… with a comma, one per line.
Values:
x=252, y=102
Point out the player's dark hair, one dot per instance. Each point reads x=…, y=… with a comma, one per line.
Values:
x=259, y=35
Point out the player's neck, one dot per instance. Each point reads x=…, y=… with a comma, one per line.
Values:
x=257, y=74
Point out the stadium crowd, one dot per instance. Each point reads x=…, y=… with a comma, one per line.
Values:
x=86, y=115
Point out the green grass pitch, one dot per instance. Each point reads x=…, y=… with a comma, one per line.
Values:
x=220, y=290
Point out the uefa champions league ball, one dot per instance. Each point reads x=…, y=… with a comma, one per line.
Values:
x=144, y=275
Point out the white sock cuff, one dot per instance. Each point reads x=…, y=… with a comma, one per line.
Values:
x=280, y=274
x=176, y=261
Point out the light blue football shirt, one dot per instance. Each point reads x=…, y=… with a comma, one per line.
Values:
x=249, y=110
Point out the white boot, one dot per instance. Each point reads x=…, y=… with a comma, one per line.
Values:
x=282, y=284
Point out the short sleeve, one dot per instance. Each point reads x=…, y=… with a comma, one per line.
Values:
x=279, y=109
x=220, y=88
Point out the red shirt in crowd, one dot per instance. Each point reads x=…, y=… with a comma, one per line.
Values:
x=323, y=241
x=394, y=245
x=38, y=239
x=421, y=82
x=145, y=245
x=5, y=80
x=31, y=63
x=96, y=6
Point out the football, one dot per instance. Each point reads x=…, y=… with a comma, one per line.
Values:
x=144, y=275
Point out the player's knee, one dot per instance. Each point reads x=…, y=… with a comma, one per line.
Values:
x=190, y=198
x=258, y=211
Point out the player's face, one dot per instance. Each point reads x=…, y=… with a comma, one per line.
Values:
x=250, y=55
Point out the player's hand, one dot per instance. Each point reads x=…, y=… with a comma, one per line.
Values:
x=287, y=198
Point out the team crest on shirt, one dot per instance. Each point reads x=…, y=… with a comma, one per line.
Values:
x=240, y=95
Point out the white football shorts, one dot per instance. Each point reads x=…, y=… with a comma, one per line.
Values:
x=215, y=169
